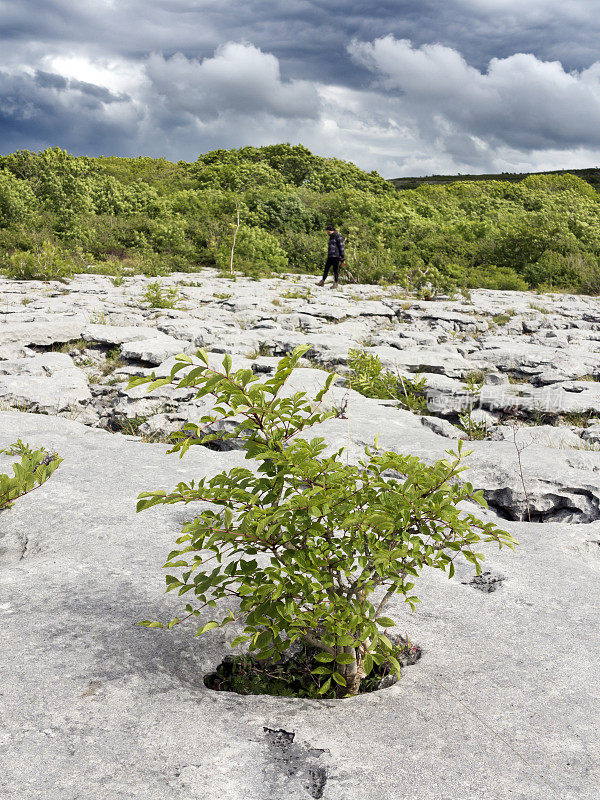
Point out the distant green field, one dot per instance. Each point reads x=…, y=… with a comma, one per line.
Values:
x=590, y=175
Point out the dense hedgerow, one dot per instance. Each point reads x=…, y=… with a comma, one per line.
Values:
x=120, y=215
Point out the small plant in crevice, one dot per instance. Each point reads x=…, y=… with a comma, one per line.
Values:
x=369, y=377
x=112, y=361
x=579, y=419
x=130, y=426
x=98, y=318
x=263, y=349
x=33, y=469
x=293, y=675
x=74, y=347
x=297, y=294
x=307, y=548
x=157, y=296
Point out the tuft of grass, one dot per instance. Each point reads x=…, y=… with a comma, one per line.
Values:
x=67, y=347
x=130, y=426
x=263, y=349
x=113, y=361
x=476, y=376
x=4, y=406
x=579, y=419
x=297, y=294
x=98, y=318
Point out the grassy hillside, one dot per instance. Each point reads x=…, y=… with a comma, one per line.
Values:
x=60, y=214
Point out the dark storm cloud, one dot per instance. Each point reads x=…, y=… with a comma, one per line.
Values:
x=43, y=109
x=309, y=37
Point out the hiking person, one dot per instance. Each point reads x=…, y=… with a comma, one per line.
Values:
x=335, y=256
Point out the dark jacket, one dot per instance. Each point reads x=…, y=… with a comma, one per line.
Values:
x=335, y=248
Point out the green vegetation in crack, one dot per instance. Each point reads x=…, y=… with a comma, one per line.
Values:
x=368, y=376
x=307, y=547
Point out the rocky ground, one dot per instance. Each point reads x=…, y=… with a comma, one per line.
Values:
x=505, y=699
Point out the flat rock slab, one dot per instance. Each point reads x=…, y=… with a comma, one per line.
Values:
x=42, y=332
x=48, y=383
x=117, y=334
x=156, y=350
x=503, y=704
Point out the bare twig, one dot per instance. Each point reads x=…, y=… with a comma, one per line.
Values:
x=519, y=448
x=237, y=209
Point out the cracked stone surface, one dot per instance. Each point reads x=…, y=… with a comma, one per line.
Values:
x=95, y=707
x=535, y=360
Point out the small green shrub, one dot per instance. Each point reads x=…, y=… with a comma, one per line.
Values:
x=45, y=263
x=328, y=534
x=257, y=252
x=370, y=378
x=157, y=296
x=34, y=469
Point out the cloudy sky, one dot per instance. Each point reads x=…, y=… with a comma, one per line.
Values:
x=409, y=87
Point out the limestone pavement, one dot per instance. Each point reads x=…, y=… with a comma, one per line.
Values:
x=504, y=702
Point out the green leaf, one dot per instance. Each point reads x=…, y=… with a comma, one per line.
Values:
x=208, y=627
x=240, y=640
x=324, y=657
x=385, y=622
x=345, y=658
x=339, y=679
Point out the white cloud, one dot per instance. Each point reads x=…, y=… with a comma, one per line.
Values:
x=521, y=102
x=239, y=77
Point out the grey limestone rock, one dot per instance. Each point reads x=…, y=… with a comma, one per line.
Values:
x=154, y=351
x=114, y=710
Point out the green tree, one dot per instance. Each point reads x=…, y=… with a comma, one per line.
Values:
x=302, y=544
